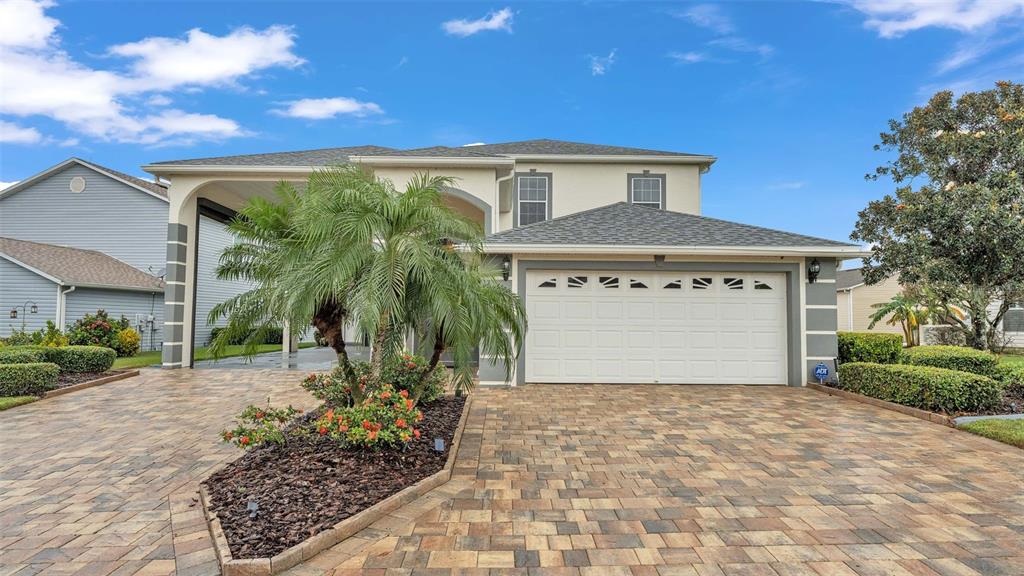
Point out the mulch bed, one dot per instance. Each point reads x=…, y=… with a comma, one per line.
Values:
x=311, y=483
x=70, y=379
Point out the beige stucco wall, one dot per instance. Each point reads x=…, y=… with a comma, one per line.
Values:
x=480, y=182
x=578, y=187
x=855, y=317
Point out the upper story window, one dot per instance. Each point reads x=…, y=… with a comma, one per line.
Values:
x=647, y=189
x=533, y=198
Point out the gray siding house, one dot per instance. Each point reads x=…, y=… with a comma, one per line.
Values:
x=83, y=205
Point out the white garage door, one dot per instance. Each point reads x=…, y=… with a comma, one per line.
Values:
x=642, y=327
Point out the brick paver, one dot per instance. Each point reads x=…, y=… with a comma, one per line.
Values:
x=700, y=480
x=103, y=481
x=637, y=480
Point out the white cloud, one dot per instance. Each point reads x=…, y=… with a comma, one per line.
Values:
x=708, y=16
x=324, y=108
x=8, y=184
x=600, y=64
x=201, y=59
x=14, y=134
x=473, y=144
x=737, y=44
x=791, y=185
x=23, y=23
x=894, y=18
x=688, y=57
x=500, y=20
x=40, y=79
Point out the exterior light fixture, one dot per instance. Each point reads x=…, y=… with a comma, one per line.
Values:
x=14, y=312
x=813, y=270
x=34, y=309
x=506, y=268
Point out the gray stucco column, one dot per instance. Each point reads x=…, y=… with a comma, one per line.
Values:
x=175, y=295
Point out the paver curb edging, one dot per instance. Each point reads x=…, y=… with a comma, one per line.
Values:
x=336, y=534
x=915, y=412
x=91, y=383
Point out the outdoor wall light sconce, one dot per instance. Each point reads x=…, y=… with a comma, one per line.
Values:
x=14, y=312
x=506, y=268
x=813, y=270
x=29, y=307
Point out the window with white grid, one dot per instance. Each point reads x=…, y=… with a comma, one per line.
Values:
x=646, y=191
x=533, y=199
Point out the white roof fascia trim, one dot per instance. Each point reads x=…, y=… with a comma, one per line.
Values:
x=58, y=167
x=433, y=160
x=850, y=288
x=379, y=160
x=830, y=251
x=210, y=168
x=17, y=262
x=617, y=159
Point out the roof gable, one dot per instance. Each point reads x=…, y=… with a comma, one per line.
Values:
x=624, y=224
x=77, y=267
x=145, y=186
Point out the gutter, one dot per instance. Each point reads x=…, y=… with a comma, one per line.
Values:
x=821, y=251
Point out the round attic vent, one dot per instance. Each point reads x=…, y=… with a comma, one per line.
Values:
x=77, y=184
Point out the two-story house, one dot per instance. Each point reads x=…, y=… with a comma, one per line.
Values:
x=78, y=237
x=622, y=278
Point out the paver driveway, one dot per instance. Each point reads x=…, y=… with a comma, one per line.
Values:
x=90, y=482
x=549, y=479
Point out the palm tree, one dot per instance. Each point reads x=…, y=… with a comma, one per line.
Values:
x=354, y=250
x=906, y=310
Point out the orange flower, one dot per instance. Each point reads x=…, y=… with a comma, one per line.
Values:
x=243, y=440
x=408, y=404
x=366, y=424
x=343, y=428
x=419, y=416
x=385, y=395
x=323, y=430
x=400, y=422
x=371, y=435
x=229, y=435
x=404, y=393
x=259, y=415
x=416, y=433
x=330, y=415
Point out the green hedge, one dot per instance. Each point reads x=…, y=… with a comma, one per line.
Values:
x=953, y=358
x=877, y=347
x=82, y=358
x=28, y=379
x=1012, y=377
x=22, y=355
x=69, y=358
x=924, y=387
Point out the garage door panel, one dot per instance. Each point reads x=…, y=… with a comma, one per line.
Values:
x=656, y=327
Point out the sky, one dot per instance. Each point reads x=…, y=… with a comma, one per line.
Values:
x=790, y=96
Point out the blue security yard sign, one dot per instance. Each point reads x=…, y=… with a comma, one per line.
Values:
x=821, y=372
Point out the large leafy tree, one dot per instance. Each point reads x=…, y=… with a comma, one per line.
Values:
x=955, y=222
x=352, y=251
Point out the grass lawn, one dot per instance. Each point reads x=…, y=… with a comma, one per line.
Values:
x=1006, y=431
x=1015, y=359
x=12, y=401
x=150, y=358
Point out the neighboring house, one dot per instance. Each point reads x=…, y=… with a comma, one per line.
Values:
x=83, y=205
x=622, y=279
x=855, y=300
x=63, y=284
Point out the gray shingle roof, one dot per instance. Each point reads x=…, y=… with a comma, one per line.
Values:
x=153, y=187
x=77, y=267
x=561, y=147
x=331, y=156
x=846, y=279
x=320, y=157
x=625, y=224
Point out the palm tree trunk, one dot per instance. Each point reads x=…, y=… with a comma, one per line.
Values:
x=377, y=353
x=330, y=321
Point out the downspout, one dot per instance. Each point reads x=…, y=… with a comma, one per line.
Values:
x=62, y=306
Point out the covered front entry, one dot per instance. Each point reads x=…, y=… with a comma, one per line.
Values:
x=656, y=327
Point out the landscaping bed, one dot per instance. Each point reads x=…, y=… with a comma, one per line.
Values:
x=310, y=483
x=66, y=379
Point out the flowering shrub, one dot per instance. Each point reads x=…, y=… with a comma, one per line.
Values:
x=333, y=388
x=258, y=425
x=405, y=372
x=127, y=343
x=385, y=417
x=97, y=330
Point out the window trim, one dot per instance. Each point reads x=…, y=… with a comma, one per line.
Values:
x=647, y=174
x=515, y=195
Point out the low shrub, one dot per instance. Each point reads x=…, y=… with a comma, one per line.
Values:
x=32, y=379
x=385, y=418
x=333, y=389
x=402, y=372
x=96, y=330
x=127, y=343
x=405, y=372
x=272, y=336
x=877, y=347
x=82, y=358
x=924, y=387
x=22, y=355
x=22, y=338
x=1012, y=377
x=52, y=337
x=258, y=425
x=953, y=358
